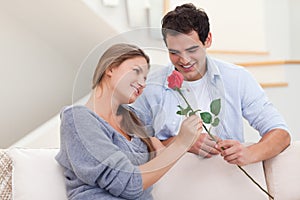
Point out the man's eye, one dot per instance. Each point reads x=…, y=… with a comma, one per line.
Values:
x=174, y=52
x=192, y=50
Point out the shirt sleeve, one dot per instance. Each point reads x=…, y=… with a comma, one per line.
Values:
x=257, y=108
x=95, y=159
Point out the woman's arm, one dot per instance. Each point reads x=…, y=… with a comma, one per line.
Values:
x=153, y=170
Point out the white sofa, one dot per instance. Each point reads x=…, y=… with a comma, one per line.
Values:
x=33, y=174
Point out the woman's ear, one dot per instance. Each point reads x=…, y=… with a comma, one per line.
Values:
x=109, y=71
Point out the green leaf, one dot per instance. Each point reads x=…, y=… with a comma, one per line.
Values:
x=216, y=122
x=183, y=111
x=191, y=113
x=198, y=110
x=180, y=107
x=187, y=110
x=215, y=106
x=206, y=117
x=179, y=112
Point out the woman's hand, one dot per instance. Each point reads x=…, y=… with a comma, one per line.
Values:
x=205, y=146
x=189, y=131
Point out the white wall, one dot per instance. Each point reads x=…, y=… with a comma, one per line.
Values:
x=236, y=25
x=295, y=29
x=115, y=15
x=42, y=46
x=278, y=28
x=33, y=77
x=233, y=23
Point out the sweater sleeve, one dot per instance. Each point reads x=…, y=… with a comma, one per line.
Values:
x=93, y=157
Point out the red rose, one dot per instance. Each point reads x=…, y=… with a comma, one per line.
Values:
x=175, y=80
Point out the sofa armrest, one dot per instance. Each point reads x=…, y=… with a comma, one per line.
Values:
x=283, y=175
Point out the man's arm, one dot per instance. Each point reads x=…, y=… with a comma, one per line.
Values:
x=271, y=144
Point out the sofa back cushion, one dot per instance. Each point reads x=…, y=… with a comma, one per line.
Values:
x=194, y=177
x=37, y=175
x=283, y=173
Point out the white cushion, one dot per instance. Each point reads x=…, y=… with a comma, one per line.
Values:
x=282, y=173
x=193, y=177
x=36, y=175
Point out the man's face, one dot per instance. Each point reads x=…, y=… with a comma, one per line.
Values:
x=188, y=54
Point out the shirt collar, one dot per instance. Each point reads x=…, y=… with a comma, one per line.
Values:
x=212, y=70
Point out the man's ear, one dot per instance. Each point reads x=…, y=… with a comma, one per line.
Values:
x=208, y=40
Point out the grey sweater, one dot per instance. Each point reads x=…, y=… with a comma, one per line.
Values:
x=99, y=163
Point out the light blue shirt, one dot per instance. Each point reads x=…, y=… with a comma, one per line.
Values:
x=241, y=97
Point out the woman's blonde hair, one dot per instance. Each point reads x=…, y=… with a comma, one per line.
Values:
x=114, y=57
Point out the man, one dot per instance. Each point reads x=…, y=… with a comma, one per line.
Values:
x=187, y=36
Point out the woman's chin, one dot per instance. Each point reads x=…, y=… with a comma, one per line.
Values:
x=132, y=98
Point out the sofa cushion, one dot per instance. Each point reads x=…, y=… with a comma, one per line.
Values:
x=5, y=176
x=193, y=177
x=282, y=173
x=37, y=175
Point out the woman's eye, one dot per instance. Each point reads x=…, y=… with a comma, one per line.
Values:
x=136, y=70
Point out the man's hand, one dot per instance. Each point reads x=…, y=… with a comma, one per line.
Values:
x=270, y=145
x=205, y=146
x=234, y=152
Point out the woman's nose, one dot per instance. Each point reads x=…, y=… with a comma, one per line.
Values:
x=142, y=82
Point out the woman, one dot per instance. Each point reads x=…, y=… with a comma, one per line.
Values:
x=105, y=151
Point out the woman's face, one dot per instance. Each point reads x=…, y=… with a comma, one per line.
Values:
x=128, y=80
